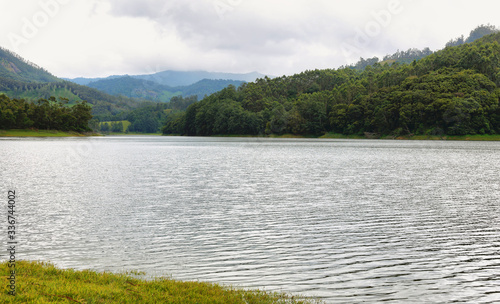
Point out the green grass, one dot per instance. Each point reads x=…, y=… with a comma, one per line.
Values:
x=386, y=137
x=125, y=123
x=165, y=96
x=131, y=133
x=34, y=95
x=420, y=137
x=450, y=137
x=291, y=136
x=341, y=136
x=262, y=136
x=39, y=282
x=40, y=133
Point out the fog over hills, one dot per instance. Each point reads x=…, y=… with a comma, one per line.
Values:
x=179, y=78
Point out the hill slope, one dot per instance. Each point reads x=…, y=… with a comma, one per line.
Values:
x=454, y=91
x=14, y=67
x=26, y=89
x=415, y=54
x=22, y=79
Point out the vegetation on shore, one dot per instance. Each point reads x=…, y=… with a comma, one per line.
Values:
x=485, y=137
x=452, y=92
x=44, y=115
x=42, y=133
x=476, y=137
x=38, y=282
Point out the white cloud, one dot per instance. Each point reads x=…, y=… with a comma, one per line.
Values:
x=103, y=37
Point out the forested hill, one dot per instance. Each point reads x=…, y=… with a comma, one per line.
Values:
x=21, y=79
x=412, y=54
x=454, y=91
x=14, y=67
x=30, y=97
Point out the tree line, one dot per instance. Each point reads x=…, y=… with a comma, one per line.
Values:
x=454, y=91
x=477, y=33
x=44, y=114
x=148, y=117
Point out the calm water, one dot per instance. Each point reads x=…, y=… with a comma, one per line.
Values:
x=348, y=221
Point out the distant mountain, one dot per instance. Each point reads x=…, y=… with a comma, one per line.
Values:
x=130, y=87
x=140, y=88
x=207, y=87
x=22, y=79
x=178, y=78
x=85, y=81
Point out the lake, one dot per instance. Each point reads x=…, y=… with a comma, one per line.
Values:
x=345, y=220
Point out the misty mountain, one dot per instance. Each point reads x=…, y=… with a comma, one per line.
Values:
x=178, y=78
x=144, y=89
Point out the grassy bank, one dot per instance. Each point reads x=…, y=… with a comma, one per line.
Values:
x=446, y=137
x=341, y=136
x=130, y=133
x=44, y=283
x=41, y=133
x=420, y=137
x=387, y=137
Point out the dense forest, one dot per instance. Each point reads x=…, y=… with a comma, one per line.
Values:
x=103, y=105
x=454, y=91
x=148, y=117
x=44, y=114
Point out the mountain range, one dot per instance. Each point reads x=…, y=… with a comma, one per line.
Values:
x=162, y=86
x=134, y=98
x=177, y=78
x=149, y=90
x=22, y=79
x=109, y=96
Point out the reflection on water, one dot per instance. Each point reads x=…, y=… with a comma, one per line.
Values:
x=348, y=221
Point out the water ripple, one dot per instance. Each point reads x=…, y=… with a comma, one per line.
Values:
x=346, y=221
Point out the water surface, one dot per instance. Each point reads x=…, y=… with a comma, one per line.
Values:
x=345, y=220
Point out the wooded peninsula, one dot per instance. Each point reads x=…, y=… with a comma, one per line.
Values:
x=454, y=91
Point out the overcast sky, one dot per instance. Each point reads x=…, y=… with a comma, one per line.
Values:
x=94, y=38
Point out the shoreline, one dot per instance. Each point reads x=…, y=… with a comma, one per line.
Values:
x=44, y=133
x=475, y=137
x=495, y=137
x=55, y=133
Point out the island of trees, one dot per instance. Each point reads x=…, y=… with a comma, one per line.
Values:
x=454, y=91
